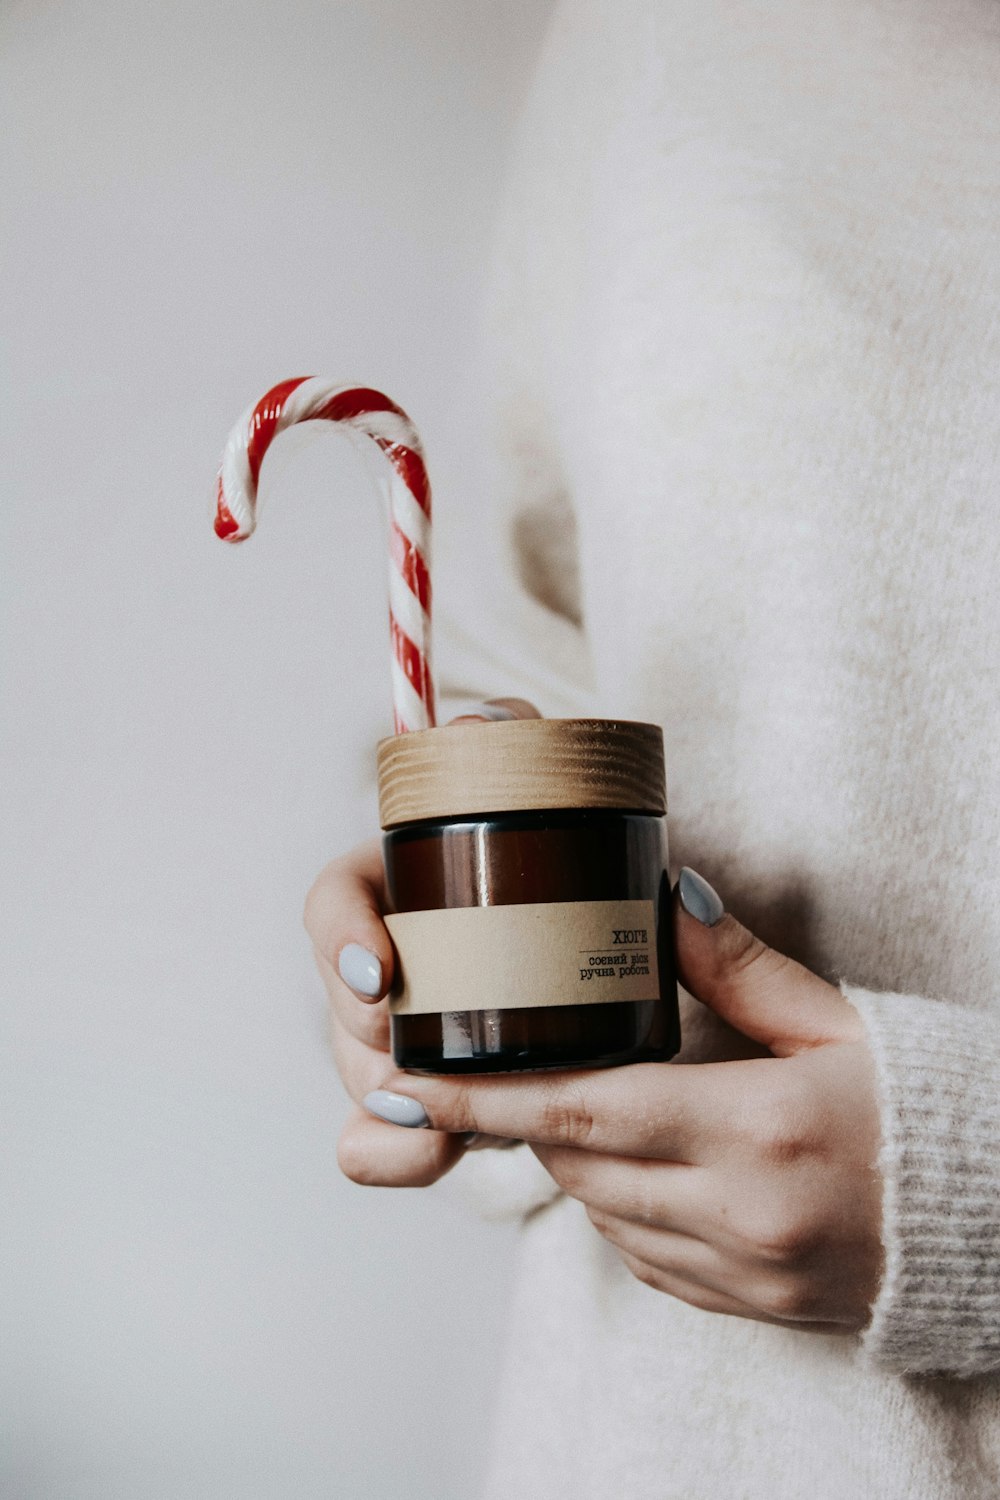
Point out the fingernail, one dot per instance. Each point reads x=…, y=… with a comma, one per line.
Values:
x=494, y=711
x=396, y=1108
x=360, y=969
x=699, y=899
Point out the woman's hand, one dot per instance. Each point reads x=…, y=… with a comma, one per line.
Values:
x=744, y=1187
x=354, y=954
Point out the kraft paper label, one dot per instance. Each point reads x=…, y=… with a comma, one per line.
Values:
x=507, y=957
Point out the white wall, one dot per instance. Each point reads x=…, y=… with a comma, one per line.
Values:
x=199, y=199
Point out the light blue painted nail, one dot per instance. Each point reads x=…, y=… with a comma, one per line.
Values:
x=699, y=899
x=360, y=969
x=396, y=1108
x=493, y=711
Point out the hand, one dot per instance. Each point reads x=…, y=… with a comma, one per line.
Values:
x=354, y=955
x=744, y=1187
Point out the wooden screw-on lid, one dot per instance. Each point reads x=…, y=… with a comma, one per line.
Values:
x=517, y=764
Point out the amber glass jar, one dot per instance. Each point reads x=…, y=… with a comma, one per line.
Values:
x=527, y=874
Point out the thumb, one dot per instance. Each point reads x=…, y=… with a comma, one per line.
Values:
x=763, y=994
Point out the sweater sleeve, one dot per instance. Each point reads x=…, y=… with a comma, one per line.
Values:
x=938, y=1070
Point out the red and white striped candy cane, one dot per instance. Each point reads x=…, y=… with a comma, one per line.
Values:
x=360, y=413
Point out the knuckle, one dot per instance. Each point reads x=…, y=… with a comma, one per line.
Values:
x=780, y=1128
x=698, y=1297
x=787, y=1243
x=359, y=1058
x=598, y=1218
x=780, y=1142
x=341, y=885
x=750, y=959
x=567, y=1117
x=453, y=1107
x=565, y=1168
x=643, y=1271
x=788, y=1298
x=450, y=1102
x=691, y=1292
x=780, y=1239
x=369, y=1024
x=745, y=949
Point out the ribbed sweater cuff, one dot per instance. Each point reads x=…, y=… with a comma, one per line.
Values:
x=938, y=1070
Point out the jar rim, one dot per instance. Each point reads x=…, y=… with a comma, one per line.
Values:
x=472, y=768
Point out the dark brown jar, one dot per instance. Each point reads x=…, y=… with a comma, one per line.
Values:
x=527, y=875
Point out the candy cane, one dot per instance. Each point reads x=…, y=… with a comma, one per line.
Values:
x=359, y=413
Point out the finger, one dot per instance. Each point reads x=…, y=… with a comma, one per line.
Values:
x=762, y=993
x=668, y=1195
x=500, y=708
x=706, y=1299
x=678, y=1255
x=362, y=1068
x=374, y=1154
x=674, y=1112
x=681, y=1287
x=678, y=1259
x=362, y=1071
x=387, y=1155
x=368, y=1023
x=343, y=916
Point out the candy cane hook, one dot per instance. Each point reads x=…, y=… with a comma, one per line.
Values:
x=360, y=413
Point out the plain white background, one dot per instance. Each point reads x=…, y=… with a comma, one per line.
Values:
x=198, y=200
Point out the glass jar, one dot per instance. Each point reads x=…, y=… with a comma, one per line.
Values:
x=526, y=865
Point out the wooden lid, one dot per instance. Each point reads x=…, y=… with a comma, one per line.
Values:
x=519, y=764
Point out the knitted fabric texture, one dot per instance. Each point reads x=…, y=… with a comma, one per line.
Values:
x=747, y=369
x=938, y=1309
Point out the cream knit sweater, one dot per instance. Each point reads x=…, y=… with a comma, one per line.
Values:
x=750, y=332
x=749, y=315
